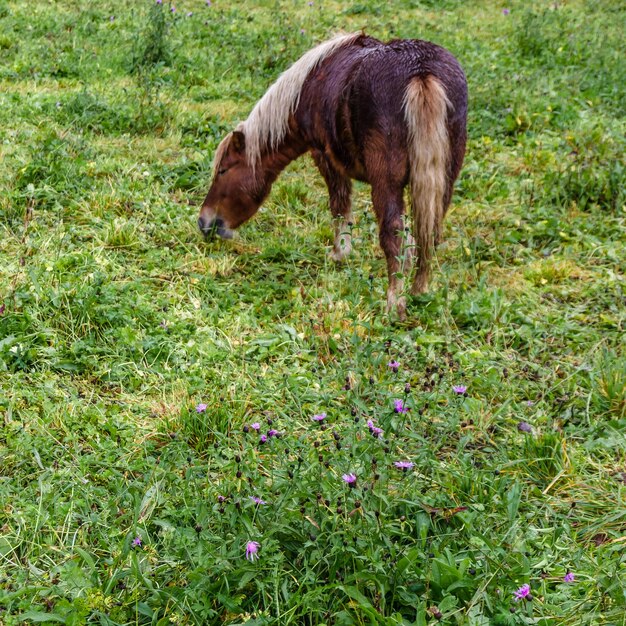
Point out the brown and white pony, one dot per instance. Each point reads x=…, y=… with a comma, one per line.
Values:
x=389, y=114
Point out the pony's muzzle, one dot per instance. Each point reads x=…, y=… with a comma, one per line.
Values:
x=214, y=226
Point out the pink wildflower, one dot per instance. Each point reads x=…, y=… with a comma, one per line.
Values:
x=522, y=593
x=350, y=479
x=404, y=465
x=377, y=432
x=252, y=548
x=398, y=407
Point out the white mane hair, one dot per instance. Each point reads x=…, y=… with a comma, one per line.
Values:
x=266, y=125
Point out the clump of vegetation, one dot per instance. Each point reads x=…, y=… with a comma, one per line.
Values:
x=593, y=171
x=153, y=47
x=541, y=33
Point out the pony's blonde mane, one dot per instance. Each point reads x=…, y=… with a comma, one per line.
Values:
x=267, y=124
x=220, y=152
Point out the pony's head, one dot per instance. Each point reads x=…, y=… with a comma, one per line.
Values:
x=236, y=192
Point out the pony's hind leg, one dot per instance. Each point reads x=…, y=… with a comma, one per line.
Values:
x=389, y=208
x=339, y=193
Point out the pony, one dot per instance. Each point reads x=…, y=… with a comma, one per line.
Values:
x=389, y=114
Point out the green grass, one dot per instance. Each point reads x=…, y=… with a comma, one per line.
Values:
x=117, y=319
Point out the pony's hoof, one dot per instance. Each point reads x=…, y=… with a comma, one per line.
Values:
x=338, y=256
x=419, y=288
x=397, y=307
x=401, y=310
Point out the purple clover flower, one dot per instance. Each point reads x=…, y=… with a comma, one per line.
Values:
x=569, y=577
x=263, y=438
x=350, y=479
x=522, y=593
x=506, y=11
x=201, y=408
x=252, y=548
x=137, y=542
x=319, y=418
x=257, y=500
x=404, y=465
x=460, y=389
x=398, y=407
x=256, y=426
x=221, y=498
x=273, y=433
x=525, y=427
x=393, y=365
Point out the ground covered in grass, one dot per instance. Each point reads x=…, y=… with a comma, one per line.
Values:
x=160, y=460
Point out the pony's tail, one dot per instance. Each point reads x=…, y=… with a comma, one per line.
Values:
x=426, y=110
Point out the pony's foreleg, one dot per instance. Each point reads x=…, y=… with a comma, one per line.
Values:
x=339, y=193
x=340, y=207
x=389, y=208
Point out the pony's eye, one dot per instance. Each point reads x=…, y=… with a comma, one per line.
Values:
x=221, y=171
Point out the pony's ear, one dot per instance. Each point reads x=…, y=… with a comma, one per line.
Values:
x=238, y=141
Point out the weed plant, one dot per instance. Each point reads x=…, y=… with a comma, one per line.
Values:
x=234, y=432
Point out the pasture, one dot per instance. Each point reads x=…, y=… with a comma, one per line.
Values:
x=159, y=458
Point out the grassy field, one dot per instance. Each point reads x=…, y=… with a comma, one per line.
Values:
x=123, y=500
